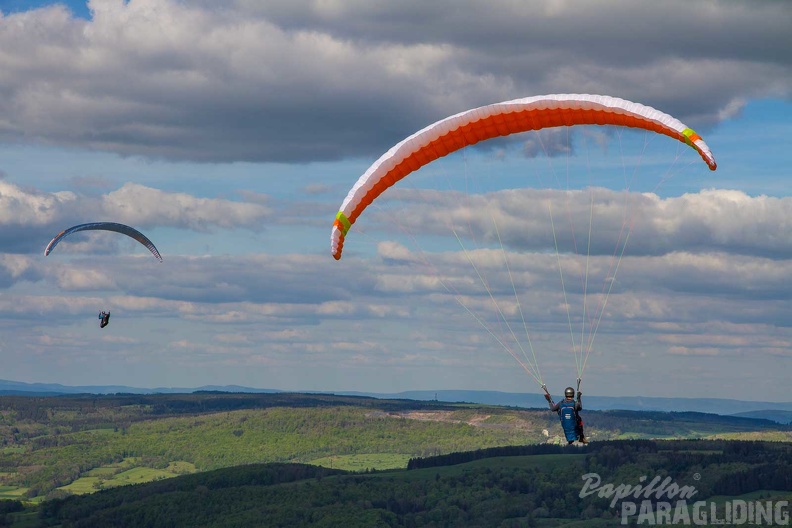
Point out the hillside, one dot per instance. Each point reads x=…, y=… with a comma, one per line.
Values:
x=53, y=446
x=509, y=487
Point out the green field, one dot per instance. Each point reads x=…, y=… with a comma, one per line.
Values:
x=363, y=462
x=138, y=475
x=124, y=473
x=83, y=485
x=12, y=492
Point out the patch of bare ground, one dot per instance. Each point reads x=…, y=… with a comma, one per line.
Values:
x=488, y=421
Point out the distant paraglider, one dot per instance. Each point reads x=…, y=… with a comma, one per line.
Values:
x=104, y=317
x=106, y=226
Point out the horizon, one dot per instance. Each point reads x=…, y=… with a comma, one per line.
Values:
x=374, y=394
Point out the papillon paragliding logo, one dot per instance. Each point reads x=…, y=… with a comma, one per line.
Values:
x=503, y=119
x=664, y=502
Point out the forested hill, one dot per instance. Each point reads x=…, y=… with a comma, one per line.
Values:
x=85, y=411
x=79, y=444
x=498, y=487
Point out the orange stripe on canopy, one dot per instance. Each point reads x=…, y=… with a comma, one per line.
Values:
x=501, y=119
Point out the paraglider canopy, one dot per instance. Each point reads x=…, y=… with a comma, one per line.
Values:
x=105, y=226
x=501, y=119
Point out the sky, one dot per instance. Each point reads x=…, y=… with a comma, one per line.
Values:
x=229, y=133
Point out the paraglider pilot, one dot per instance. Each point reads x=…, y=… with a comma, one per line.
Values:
x=568, y=411
x=104, y=319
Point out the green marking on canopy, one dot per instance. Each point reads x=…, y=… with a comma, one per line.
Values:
x=341, y=217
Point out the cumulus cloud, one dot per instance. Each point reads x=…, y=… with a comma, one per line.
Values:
x=142, y=205
x=684, y=263
x=303, y=80
x=20, y=206
x=32, y=217
x=730, y=221
x=394, y=310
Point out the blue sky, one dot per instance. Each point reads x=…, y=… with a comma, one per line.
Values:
x=230, y=136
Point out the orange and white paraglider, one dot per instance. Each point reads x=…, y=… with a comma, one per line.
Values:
x=503, y=119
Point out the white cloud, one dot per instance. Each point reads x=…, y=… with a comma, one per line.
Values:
x=32, y=217
x=140, y=205
x=526, y=219
x=20, y=206
x=300, y=81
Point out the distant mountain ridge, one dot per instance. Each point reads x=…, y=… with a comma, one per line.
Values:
x=601, y=403
x=23, y=388
x=511, y=399
x=775, y=415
